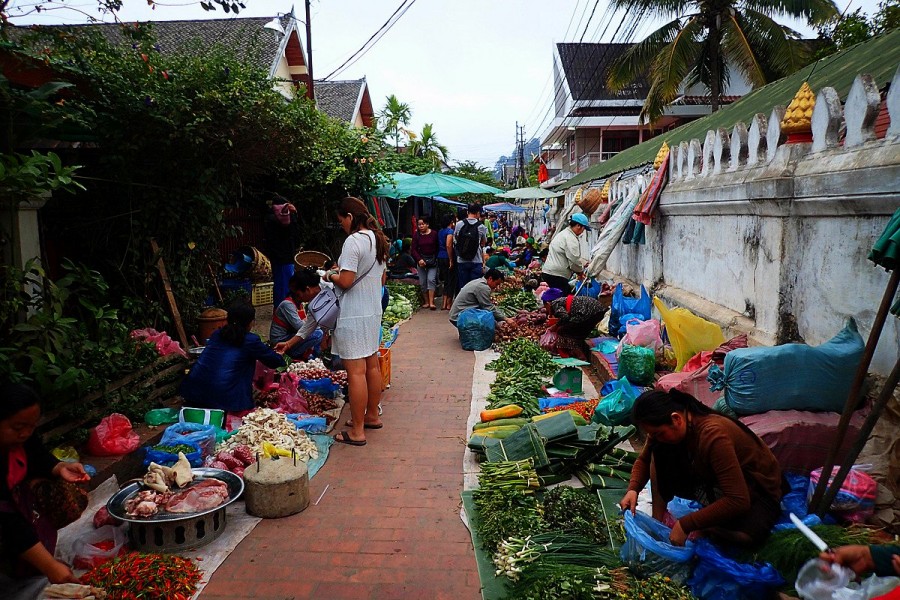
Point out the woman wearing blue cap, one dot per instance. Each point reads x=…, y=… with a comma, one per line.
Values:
x=564, y=256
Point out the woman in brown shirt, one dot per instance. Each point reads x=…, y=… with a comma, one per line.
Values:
x=697, y=454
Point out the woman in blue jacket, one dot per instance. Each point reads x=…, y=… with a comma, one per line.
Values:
x=223, y=375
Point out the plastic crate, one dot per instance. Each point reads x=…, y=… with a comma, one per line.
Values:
x=262, y=294
x=384, y=361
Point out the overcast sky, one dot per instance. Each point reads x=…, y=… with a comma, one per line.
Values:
x=471, y=67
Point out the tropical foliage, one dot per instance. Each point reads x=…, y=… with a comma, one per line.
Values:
x=394, y=118
x=853, y=28
x=702, y=41
x=426, y=145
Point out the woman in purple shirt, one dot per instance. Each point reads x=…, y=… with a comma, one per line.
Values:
x=425, y=251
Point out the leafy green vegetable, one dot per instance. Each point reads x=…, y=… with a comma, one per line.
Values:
x=575, y=511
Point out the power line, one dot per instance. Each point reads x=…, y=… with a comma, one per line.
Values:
x=404, y=6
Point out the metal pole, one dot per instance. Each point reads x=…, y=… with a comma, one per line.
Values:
x=834, y=487
x=853, y=396
x=310, y=91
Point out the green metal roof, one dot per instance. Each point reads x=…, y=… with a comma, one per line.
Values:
x=878, y=57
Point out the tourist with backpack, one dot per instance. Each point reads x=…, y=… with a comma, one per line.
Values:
x=469, y=238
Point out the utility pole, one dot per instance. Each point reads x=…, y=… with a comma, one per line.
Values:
x=310, y=91
x=521, y=177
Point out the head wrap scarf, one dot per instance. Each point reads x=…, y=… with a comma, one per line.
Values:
x=552, y=294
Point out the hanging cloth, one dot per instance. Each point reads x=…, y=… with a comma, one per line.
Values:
x=543, y=175
x=643, y=212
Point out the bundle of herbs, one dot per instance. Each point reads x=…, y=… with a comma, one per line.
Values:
x=569, y=582
x=788, y=550
x=575, y=511
x=516, y=555
x=513, y=302
x=507, y=506
x=524, y=352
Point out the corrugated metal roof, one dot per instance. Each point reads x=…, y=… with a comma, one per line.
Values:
x=586, y=67
x=878, y=57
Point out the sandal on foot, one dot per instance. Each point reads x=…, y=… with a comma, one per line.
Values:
x=366, y=425
x=344, y=438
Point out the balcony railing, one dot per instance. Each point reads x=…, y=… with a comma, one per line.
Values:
x=592, y=158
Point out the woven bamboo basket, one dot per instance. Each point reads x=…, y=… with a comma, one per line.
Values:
x=260, y=268
x=590, y=201
x=311, y=258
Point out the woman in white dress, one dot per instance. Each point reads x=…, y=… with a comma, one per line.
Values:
x=358, y=328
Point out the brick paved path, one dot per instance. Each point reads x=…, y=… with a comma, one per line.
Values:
x=388, y=526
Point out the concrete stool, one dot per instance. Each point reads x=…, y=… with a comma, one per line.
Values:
x=276, y=488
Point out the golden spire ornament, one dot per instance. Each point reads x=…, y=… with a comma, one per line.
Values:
x=797, y=121
x=661, y=155
x=604, y=191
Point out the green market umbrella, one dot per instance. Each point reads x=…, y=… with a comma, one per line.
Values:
x=389, y=182
x=434, y=184
x=886, y=251
x=529, y=193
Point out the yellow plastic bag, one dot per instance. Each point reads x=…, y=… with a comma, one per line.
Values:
x=271, y=451
x=688, y=333
x=65, y=453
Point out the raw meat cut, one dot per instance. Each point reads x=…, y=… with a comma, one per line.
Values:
x=145, y=503
x=204, y=495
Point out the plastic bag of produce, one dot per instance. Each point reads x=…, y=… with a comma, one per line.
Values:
x=112, y=437
x=202, y=436
x=98, y=546
x=637, y=364
x=647, y=550
x=476, y=329
x=688, y=333
x=791, y=376
x=623, y=305
x=615, y=408
x=855, y=501
x=643, y=333
x=717, y=577
x=324, y=386
x=161, y=416
x=166, y=455
x=548, y=341
x=290, y=399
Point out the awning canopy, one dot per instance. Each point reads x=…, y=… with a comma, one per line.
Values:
x=529, y=193
x=503, y=207
x=433, y=184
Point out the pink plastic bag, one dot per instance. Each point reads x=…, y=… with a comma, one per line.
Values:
x=855, y=501
x=643, y=333
x=164, y=344
x=290, y=399
x=113, y=436
x=263, y=377
x=98, y=546
x=548, y=341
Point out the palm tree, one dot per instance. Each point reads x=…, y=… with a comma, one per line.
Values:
x=393, y=117
x=426, y=145
x=704, y=37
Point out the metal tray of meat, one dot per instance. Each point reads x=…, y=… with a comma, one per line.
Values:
x=116, y=504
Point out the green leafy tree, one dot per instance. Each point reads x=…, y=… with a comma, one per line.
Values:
x=702, y=38
x=887, y=18
x=426, y=145
x=393, y=118
x=472, y=170
x=856, y=27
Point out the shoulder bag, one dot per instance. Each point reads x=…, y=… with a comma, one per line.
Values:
x=325, y=308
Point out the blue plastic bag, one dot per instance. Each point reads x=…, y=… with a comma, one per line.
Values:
x=615, y=408
x=790, y=376
x=717, y=577
x=647, y=550
x=476, y=329
x=679, y=507
x=168, y=459
x=544, y=403
x=633, y=307
x=202, y=436
x=308, y=423
x=324, y=386
x=591, y=289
